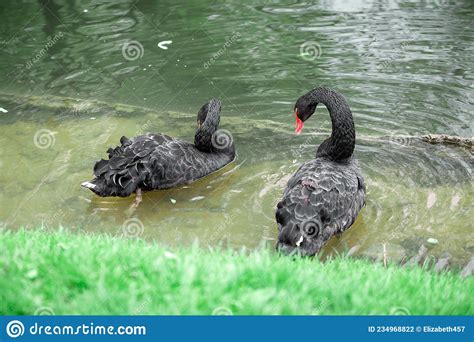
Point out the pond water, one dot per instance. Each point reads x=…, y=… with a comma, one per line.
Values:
x=404, y=66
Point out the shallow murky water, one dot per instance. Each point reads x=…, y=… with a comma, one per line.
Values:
x=405, y=67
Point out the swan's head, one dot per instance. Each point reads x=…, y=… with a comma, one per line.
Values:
x=213, y=106
x=304, y=238
x=304, y=108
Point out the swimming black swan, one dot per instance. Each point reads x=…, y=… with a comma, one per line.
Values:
x=157, y=161
x=325, y=195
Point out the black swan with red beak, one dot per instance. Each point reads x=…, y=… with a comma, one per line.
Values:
x=325, y=195
x=158, y=161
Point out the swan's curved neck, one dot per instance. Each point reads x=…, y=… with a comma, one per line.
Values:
x=341, y=144
x=203, y=136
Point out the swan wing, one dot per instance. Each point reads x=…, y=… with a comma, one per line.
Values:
x=331, y=192
x=152, y=162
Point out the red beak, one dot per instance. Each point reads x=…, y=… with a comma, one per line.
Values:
x=299, y=123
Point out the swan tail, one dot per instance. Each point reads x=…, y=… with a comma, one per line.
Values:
x=98, y=186
x=138, y=163
x=113, y=180
x=88, y=185
x=124, y=171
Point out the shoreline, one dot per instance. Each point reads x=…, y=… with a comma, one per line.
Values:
x=68, y=274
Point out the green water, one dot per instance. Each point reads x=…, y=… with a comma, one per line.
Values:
x=405, y=67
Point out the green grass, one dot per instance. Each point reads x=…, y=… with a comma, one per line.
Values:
x=87, y=274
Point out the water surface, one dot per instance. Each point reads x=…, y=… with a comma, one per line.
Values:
x=404, y=66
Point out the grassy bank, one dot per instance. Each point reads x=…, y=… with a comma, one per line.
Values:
x=83, y=274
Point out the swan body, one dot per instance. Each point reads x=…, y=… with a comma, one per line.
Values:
x=325, y=195
x=158, y=161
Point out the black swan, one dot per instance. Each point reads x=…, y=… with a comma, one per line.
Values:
x=157, y=161
x=325, y=195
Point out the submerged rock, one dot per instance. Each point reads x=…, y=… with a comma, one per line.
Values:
x=468, y=270
x=419, y=258
x=443, y=263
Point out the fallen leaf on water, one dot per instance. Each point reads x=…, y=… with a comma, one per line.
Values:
x=164, y=44
x=197, y=198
